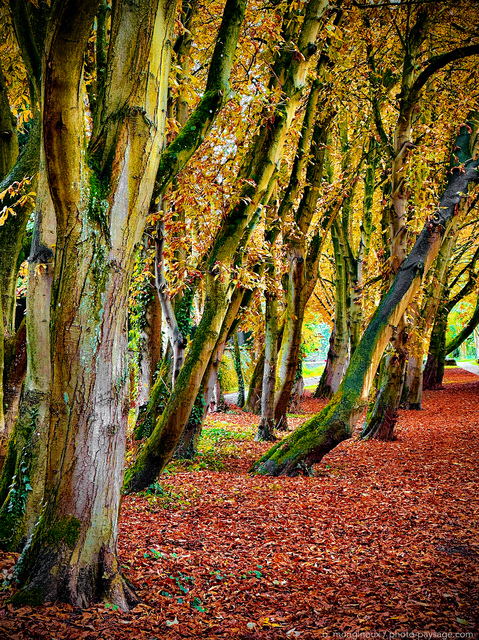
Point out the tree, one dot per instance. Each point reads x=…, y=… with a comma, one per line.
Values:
x=310, y=442
x=382, y=416
x=72, y=554
x=256, y=177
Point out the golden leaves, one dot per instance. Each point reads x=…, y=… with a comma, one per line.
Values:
x=15, y=191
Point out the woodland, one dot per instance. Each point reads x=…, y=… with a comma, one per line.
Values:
x=188, y=190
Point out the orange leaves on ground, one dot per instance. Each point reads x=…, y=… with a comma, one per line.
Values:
x=382, y=539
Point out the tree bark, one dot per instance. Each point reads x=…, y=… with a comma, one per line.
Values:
x=434, y=368
x=253, y=401
x=239, y=370
x=266, y=426
x=382, y=418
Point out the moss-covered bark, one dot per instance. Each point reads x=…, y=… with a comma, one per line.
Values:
x=21, y=484
x=434, y=369
x=239, y=370
x=310, y=442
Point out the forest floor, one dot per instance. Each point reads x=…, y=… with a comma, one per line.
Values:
x=381, y=542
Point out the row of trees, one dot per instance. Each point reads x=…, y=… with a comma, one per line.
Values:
x=204, y=167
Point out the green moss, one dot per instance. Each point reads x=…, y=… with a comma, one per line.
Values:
x=64, y=530
x=227, y=374
x=188, y=139
x=100, y=189
x=16, y=477
x=322, y=432
x=8, y=526
x=144, y=424
x=30, y=597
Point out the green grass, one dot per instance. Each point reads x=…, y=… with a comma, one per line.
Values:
x=313, y=372
x=216, y=443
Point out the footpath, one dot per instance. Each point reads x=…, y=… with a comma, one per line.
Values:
x=468, y=366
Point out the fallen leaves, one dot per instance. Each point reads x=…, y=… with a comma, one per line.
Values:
x=383, y=538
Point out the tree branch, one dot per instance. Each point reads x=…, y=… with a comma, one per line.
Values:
x=437, y=63
x=217, y=94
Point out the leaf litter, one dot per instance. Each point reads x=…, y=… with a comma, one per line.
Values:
x=381, y=541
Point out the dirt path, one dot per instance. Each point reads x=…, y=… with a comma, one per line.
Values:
x=383, y=541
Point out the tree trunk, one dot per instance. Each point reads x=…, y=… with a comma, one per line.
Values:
x=357, y=282
x=316, y=437
x=303, y=274
x=11, y=249
x=338, y=354
x=72, y=555
x=291, y=343
x=297, y=393
x=412, y=394
x=267, y=424
x=14, y=373
x=188, y=445
x=435, y=294
x=149, y=357
x=239, y=371
x=434, y=369
x=191, y=434
x=253, y=401
x=177, y=339
x=382, y=418
x=217, y=402
x=25, y=462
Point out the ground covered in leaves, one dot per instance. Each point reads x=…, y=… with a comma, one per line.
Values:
x=381, y=542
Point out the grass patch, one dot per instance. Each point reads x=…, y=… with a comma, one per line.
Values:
x=216, y=443
x=164, y=496
x=314, y=372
